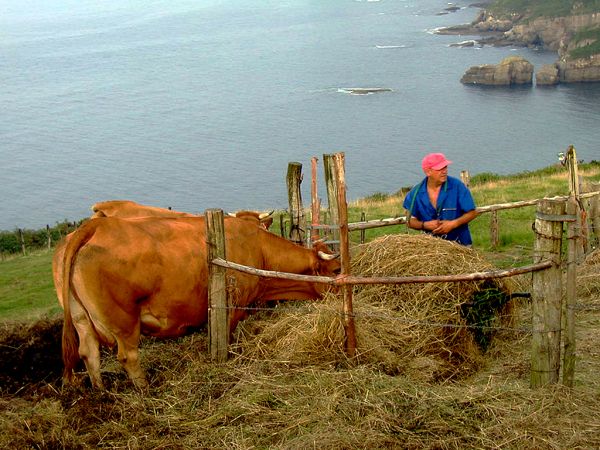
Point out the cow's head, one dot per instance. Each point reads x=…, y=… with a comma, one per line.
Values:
x=264, y=218
x=327, y=263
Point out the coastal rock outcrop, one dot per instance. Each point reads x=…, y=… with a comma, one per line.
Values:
x=510, y=71
x=547, y=75
x=580, y=70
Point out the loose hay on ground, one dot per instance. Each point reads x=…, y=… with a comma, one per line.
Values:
x=588, y=278
x=417, y=328
x=194, y=403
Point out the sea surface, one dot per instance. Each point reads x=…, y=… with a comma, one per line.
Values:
x=202, y=104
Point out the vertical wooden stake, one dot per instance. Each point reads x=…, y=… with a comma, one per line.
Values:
x=218, y=320
x=22, y=239
x=332, y=195
x=363, y=218
x=465, y=177
x=297, y=225
x=547, y=295
x=494, y=231
x=345, y=253
x=574, y=189
x=281, y=226
x=572, y=208
x=49, y=236
x=315, y=216
x=594, y=214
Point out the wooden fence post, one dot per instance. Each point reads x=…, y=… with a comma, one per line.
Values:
x=573, y=230
x=22, y=239
x=281, y=226
x=297, y=225
x=49, y=236
x=494, y=229
x=218, y=320
x=547, y=294
x=594, y=214
x=332, y=195
x=315, y=203
x=350, y=344
x=465, y=177
x=363, y=218
x=575, y=190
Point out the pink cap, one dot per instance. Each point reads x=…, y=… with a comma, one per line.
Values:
x=435, y=161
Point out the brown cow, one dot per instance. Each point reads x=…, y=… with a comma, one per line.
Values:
x=127, y=277
x=129, y=209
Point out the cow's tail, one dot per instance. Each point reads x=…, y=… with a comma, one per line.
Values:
x=70, y=351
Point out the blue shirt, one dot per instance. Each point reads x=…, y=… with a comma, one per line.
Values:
x=453, y=201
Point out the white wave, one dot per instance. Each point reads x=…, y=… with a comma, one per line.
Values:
x=434, y=30
x=390, y=46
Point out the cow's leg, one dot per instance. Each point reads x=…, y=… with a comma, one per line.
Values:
x=129, y=356
x=89, y=345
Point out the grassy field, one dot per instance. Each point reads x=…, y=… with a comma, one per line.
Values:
x=288, y=384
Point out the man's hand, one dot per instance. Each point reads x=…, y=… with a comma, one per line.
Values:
x=444, y=226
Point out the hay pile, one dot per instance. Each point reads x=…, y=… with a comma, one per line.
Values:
x=410, y=328
x=588, y=279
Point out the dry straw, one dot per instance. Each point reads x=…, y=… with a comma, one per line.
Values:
x=416, y=329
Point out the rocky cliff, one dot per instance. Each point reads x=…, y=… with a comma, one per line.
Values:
x=560, y=34
x=553, y=33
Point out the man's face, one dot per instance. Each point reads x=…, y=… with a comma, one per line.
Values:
x=438, y=176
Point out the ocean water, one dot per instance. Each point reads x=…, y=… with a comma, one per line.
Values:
x=202, y=104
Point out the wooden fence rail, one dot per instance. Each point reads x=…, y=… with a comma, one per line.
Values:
x=346, y=280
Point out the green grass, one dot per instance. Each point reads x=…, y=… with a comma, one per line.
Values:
x=26, y=287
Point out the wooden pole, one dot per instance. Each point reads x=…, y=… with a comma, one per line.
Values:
x=572, y=208
x=418, y=279
x=546, y=294
x=315, y=203
x=494, y=231
x=594, y=214
x=22, y=239
x=340, y=178
x=297, y=225
x=281, y=226
x=49, y=236
x=332, y=195
x=218, y=320
x=465, y=177
x=363, y=218
x=575, y=190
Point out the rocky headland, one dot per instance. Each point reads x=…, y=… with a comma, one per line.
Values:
x=575, y=37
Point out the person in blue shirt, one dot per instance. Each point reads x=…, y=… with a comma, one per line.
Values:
x=440, y=205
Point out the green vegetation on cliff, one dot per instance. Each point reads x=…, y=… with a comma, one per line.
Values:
x=544, y=8
x=591, y=35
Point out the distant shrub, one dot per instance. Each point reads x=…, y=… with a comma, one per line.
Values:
x=485, y=177
x=377, y=197
x=10, y=241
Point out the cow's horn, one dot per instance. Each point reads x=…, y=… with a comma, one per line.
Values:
x=327, y=256
x=232, y=214
x=264, y=215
